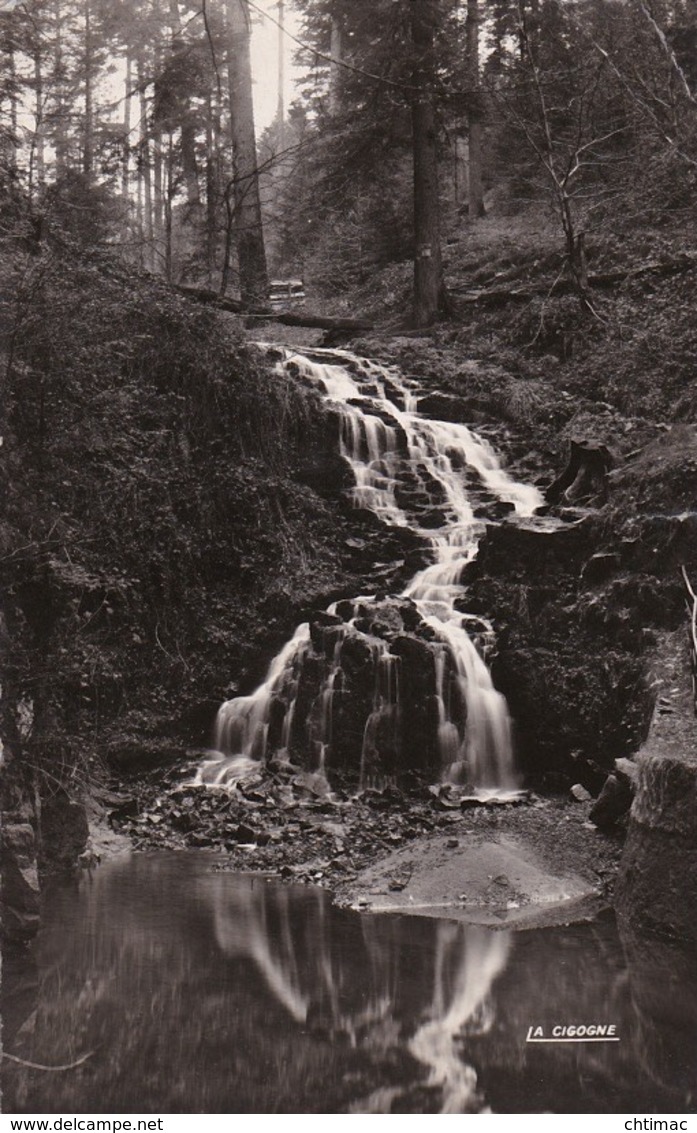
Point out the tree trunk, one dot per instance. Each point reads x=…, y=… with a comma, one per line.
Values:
x=475, y=190
x=145, y=169
x=88, y=143
x=8, y=50
x=254, y=283
x=211, y=184
x=186, y=126
x=126, y=159
x=38, y=144
x=335, y=74
x=159, y=204
x=60, y=111
x=168, y=208
x=281, y=109
x=428, y=271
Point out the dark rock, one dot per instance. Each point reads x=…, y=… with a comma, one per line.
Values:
x=570, y=708
x=244, y=833
x=533, y=550
x=321, y=467
x=182, y=820
x=320, y=623
x=450, y=407
x=613, y=802
x=600, y=567
x=495, y=509
x=127, y=808
x=64, y=832
x=201, y=839
x=433, y=519
x=20, y=882
x=142, y=754
x=345, y=609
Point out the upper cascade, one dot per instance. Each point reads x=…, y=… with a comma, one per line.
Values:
x=344, y=690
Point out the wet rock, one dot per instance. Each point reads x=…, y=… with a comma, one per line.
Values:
x=321, y=626
x=433, y=519
x=495, y=509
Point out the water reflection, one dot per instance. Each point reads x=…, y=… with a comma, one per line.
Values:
x=208, y=992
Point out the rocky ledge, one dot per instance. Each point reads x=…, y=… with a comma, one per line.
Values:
x=657, y=884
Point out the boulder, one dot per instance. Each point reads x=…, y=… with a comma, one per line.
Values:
x=534, y=548
x=613, y=802
x=580, y=794
x=450, y=407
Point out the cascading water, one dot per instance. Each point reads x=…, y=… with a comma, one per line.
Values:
x=411, y=472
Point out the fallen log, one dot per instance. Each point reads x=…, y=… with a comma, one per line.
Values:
x=494, y=296
x=268, y=314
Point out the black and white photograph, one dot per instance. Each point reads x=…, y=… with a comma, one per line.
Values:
x=348, y=547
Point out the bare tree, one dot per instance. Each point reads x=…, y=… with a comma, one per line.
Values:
x=564, y=150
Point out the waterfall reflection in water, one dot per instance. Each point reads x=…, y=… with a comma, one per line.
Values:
x=411, y=472
x=466, y=961
x=209, y=992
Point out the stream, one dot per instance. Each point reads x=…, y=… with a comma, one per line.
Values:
x=194, y=990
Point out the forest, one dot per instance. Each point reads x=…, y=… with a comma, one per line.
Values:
x=386, y=590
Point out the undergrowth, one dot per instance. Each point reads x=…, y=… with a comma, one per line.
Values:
x=154, y=532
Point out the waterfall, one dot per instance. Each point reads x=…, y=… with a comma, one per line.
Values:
x=411, y=472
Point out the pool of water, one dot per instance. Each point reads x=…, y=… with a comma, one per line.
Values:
x=193, y=990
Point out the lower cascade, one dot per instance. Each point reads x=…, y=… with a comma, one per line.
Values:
x=375, y=686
